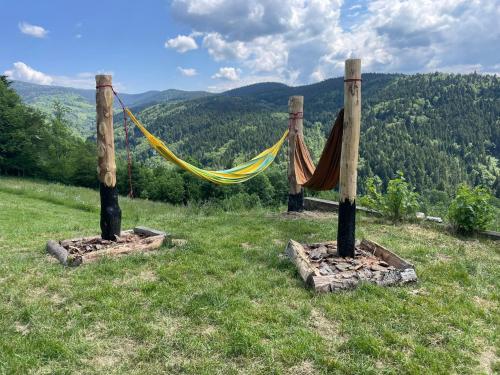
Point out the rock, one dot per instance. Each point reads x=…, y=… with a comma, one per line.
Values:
x=365, y=274
x=342, y=267
x=390, y=278
x=420, y=215
x=435, y=219
x=348, y=274
x=318, y=253
x=325, y=270
x=408, y=275
x=376, y=267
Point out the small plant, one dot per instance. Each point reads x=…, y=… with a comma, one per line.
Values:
x=400, y=200
x=398, y=203
x=471, y=210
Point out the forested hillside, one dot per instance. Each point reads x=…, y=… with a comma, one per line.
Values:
x=439, y=129
x=80, y=103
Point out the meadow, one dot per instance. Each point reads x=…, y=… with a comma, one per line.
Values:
x=228, y=301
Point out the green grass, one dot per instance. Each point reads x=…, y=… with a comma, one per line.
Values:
x=228, y=302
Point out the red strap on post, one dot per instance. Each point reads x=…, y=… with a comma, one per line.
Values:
x=129, y=160
x=294, y=116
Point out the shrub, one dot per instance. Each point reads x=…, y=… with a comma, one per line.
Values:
x=471, y=210
x=400, y=200
x=398, y=203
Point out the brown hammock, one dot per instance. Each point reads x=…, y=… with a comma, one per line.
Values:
x=326, y=175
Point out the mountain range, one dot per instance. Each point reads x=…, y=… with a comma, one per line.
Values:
x=439, y=129
x=81, y=102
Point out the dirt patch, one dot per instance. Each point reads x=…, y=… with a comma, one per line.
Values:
x=484, y=303
x=278, y=242
x=208, y=330
x=308, y=215
x=247, y=246
x=113, y=354
x=131, y=279
x=444, y=258
x=179, y=242
x=304, y=368
x=57, y=299
x=325, y=328
x=487, y=360
x=23, y=329
x=167, y=325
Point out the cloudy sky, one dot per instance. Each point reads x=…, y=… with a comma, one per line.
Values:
x=219, y=44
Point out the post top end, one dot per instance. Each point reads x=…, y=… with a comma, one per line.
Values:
x=103, y=79
x=295, y=103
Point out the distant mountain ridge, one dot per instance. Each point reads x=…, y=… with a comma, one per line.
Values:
x=81, y=102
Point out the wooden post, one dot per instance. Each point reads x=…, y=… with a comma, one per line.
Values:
x=349, y=158
x=295, y=115
x=111, y=214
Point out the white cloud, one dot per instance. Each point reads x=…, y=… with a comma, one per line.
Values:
x=78, y=36
x=227, y=73
x=33, y=30
x=224, y=85
x=85, y=80
x=187, y=72
x=182, y=43
x=23, y=72
x=300, y=41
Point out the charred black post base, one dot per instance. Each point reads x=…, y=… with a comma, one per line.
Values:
x=347, y=228
x=296, y=202
x=111, y=214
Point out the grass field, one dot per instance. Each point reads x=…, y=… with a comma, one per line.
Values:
x=228, y=302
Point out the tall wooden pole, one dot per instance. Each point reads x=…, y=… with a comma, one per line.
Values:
x=295, y=115
x=111, y=215
x=349, y=158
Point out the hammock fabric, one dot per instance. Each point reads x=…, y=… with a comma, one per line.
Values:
x=238, y=174
x=326, y=175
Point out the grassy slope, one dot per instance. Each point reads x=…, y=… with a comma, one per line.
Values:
x=227, y=302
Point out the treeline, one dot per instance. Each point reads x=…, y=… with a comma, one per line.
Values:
x=33, y=144
x=172, y=185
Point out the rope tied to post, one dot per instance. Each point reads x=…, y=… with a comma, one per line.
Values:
x=129, y=160
x=292, y=119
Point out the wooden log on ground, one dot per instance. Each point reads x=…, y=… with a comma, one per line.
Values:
x=153, y=232
x=349, y=158
x=62, y=255
x=296, y=121
x=385, y=254
x=295, y=251
x=110, y=211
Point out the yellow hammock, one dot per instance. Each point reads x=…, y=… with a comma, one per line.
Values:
x=236, y=175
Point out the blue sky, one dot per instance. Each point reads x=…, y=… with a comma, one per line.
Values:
x=220, y=44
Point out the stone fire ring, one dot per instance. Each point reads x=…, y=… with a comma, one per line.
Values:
x=77, y=251
x=322, y=269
